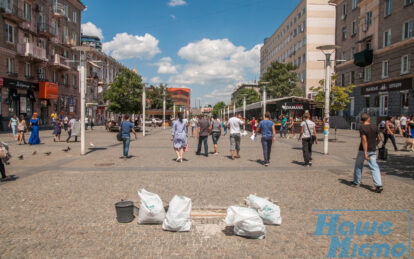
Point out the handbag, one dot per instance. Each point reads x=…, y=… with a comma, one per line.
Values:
x=119, y=136
x=3, y=153
x=313, y=137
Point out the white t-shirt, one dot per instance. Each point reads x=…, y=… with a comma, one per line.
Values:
x=403, y=121
x=71, y=122
x=311, y=125
x=194, y=122
x=235, y=124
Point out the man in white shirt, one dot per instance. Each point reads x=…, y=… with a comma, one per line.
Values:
x=403, y=121
x=194, y=122
x=71, y=123
x=234, y=124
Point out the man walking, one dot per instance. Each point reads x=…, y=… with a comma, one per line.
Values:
x=203, y=129
x=234, y=124
x=268, y=137
x=71, y=125
x=367, y=151
x=126, y=128
x=283, y=126
x=193, y=126
x=403, y=123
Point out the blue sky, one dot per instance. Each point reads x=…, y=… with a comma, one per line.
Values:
x=209, y=46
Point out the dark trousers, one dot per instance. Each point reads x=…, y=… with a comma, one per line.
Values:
x=70, y=135
x=2, y=169
x=307, y=150
x=267, y=148
x=389, y=136
x=202, y=139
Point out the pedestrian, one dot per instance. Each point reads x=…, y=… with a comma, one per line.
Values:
x=13, y=126
x=403, y=122
x=203, y=127
x=234, y=124
x=65, y=123
x=179, y=137
x=92, y=120
x=86, y=122
x=291, y=128
x=126, y=128
x=224, y=126
x=4, y=177
x=193, y=126
x=57, y=130
x=308, y=136
x=253, y=125
x=397, y=123
x=71, y=125
x=22, y=128
x=367, y=151
x=410, y=133
x=389, y=132
x=267, y=127
x=283, y=126
x=34, y=125
x=215, y=129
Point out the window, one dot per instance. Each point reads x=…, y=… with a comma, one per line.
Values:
x=42, y=73
x=352, y=77
x=75, y=17
x=405, y=64
x=344, y=33
x=407, y=30
x=385, y=66
x=66, y=10
x=9, y=33
x=368, y=18
x=41, y=43
x=342, y=79
x=367, y=73
x=407, y=2
x=354, y=4
x=387, y=38
x=54, y=27
x=404, y=100
x=10, y=65
x=54, y=77
x=27, y=70
x=65, y=34
x=27, y=8
x=352, y=52
x=383, y=105
x=74, y=81
x=354, y=27
x=344, y=10
x=352, y=106
x=65, y=79
x=388, y=7
x=343, y=57
x=74, y=37
x=26, y=38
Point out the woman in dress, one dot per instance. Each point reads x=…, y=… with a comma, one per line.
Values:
x=179, y=136
x=57, y=130
x=13, y=126
x=34, y=123
x=22, y=128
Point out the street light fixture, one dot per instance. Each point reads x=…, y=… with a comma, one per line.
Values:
x=328, y=50
x=144, y=106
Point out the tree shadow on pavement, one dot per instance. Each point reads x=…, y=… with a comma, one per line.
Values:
x=398, y=165
x=349, y=183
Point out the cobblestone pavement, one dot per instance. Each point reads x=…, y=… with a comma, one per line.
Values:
x=62, y=205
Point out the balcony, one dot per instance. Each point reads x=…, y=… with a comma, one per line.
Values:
x=58, y=10
x=363, y=58
x=60, y=62
x=45, y=30
x=29, y=50
x=11, y=12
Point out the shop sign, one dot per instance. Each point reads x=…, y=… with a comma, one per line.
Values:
x=19, y=84
x=48, y=90
x=293, y=106
x=396, y=85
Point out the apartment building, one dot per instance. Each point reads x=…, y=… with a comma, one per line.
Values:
x=254, y=86
x=377, y=44
x=101, y=70
x=310, y=24
x=38, y=67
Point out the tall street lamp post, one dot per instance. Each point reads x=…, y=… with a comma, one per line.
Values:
x=144, y=102
x=244, y=111
x=163, y=108
x=327, y=50
x=264, y=97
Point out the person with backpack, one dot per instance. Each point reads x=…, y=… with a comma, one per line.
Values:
x=309, y=137
x=370, y=138
x=126, y=128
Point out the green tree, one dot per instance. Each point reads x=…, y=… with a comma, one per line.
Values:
x=125, y=93
x=282, y=80
x=217, y=107
x=156, y=97
x=251, y=96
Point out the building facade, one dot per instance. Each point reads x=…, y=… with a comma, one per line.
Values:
x=377, y=45
x=311, y=24
x=38, y=68
x=254, y=86
x=181, y=98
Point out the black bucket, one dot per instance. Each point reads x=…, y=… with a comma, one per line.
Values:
x=124, y=211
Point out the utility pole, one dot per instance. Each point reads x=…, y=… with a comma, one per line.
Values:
x=82, y=92
x=163, y=108
x=144, y=102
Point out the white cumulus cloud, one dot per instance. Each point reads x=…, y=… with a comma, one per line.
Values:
x=127, y=46
x=156, y=80
x=165, y=66
x=173, y=3
x=90, y=29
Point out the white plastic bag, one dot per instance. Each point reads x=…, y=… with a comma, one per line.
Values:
x=246, y=222
x=151, y=209
x=253, y=137
x=268, y=211
x=178, y=214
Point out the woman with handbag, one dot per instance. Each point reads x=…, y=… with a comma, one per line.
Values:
x=308, y=136
x=22, y=128
x=179, y=137
x=34, y=125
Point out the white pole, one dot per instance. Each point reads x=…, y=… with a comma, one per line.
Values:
x=234, y=109
x=228, y=111
x=174, y=110
x=264, y=100
x=163, y=109
x=244, y=112
x=327, y=95
x=144, y=102
x=83, y=108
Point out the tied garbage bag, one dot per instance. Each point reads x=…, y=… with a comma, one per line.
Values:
x=268, y=211
x=178, y=215
x=151, y=209
x=246, y=222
